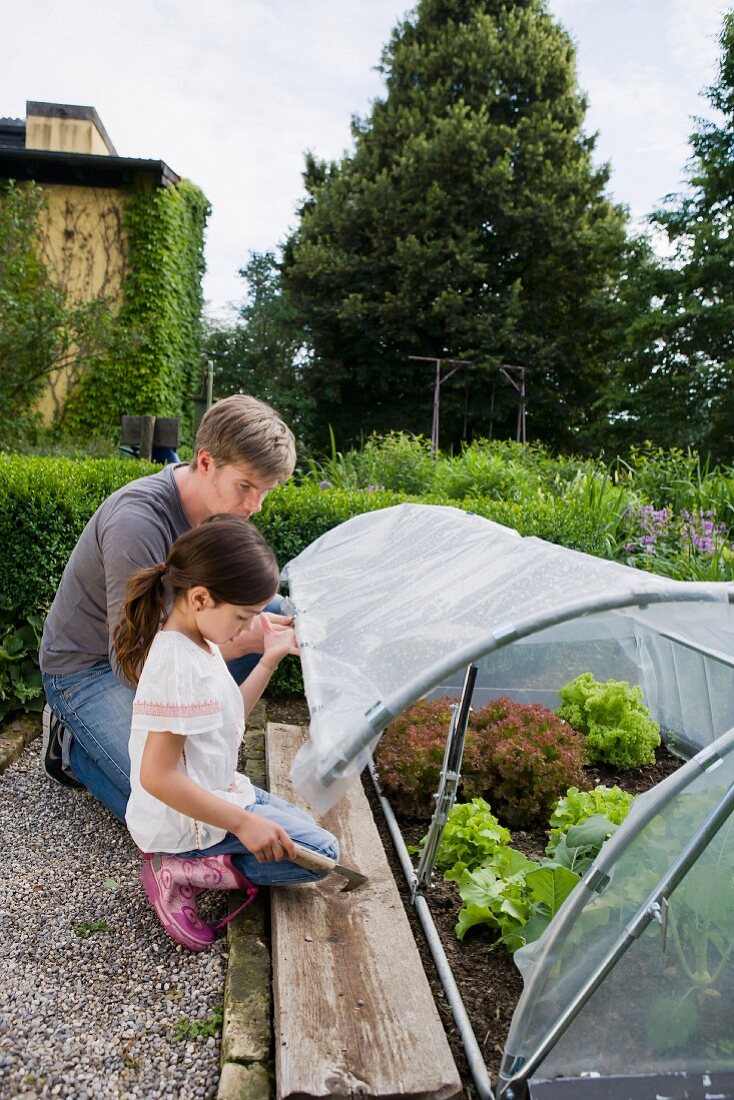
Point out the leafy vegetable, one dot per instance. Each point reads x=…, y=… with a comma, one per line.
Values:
x=527, y=757
x=548, y=888
x=577, y=806
x=578, y=848
x=501, y=888
x=497, y=896
x=613, y=718
x=472, y=836
x=516, y=896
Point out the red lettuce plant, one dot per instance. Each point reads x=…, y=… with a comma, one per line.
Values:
x=529, y=757
x=410, y=754
x=521, y=758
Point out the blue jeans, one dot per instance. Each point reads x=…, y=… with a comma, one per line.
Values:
x=300, y=827
x=97, y=711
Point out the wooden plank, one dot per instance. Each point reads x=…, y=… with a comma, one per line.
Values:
x=354, y=1013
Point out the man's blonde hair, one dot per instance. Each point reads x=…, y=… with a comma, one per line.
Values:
x=241, y=429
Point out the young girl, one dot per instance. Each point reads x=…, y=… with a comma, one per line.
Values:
x=201, y=824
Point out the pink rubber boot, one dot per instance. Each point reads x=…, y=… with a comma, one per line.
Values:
x=173, y=884
x=219, y=873
x=174, y=899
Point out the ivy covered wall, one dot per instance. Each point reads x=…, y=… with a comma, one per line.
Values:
x=153, y=362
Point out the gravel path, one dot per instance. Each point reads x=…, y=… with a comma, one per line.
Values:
x=95, y=1014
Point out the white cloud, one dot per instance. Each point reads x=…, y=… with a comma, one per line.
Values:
x=691, y=35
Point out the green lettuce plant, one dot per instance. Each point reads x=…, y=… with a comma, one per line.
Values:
x=576, y=806
x=497, y=895
x=548, y=887
x=513, y=895
x=500, y=887
x=613, y=718
x=577, y=848
x=472, y=837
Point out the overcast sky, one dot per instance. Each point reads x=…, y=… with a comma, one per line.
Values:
x=230, y=93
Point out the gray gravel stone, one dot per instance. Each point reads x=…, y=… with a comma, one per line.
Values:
x=97, y=1014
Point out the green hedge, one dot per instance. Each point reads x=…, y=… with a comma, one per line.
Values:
x=44, y=505
x=45, y=502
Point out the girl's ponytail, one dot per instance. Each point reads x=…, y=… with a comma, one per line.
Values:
x=143, y=613
x=223, y=553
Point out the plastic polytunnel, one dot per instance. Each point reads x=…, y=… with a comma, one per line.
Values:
x=630, y=991
x=393, y=605
x=633, y=981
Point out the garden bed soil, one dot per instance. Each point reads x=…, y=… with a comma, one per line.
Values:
x=486, y=976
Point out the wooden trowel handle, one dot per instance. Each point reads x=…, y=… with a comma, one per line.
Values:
x=312, y=861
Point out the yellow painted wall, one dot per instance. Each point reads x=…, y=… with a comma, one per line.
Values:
x=64, y=135
x=83, y=244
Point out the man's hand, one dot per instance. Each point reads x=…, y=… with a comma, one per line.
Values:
x=266, y=840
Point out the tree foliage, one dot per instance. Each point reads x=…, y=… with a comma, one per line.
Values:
x=469, y=221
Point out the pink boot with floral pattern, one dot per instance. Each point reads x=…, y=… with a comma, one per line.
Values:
x=173, y=883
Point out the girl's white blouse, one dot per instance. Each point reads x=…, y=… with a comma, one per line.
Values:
x=188, y=691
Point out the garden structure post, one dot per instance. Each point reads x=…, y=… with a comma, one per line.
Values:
x=448, y=781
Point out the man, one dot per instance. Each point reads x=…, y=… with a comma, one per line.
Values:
x=242, y=451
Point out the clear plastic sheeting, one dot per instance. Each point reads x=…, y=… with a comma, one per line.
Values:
x=686, y=675
x=666, y=1004
x=392, y=604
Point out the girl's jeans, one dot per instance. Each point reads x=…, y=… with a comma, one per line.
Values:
x=300, y=827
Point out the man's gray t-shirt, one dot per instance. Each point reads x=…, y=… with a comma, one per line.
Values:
x=133, y=529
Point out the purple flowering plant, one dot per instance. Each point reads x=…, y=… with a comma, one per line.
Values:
x=691, y=545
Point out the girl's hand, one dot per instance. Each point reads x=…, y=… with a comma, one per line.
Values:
x=266, y=840
x=278, y=641
x=250, y=640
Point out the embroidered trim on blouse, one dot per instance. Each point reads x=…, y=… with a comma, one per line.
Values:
x=177, y=710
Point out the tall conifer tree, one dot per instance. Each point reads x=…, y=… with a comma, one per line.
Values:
x=469, y=221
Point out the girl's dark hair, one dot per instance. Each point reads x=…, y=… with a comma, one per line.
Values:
x=225, y=554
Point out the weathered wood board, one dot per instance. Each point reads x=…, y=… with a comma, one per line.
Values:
x=354, y=1013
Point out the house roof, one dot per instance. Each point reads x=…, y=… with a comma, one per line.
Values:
x=82, y=169
x=12, y=133
x=72, y=111
x=62, y=167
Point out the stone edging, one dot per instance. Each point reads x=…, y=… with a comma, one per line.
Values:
x=246, y=1050
x=15, y=736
